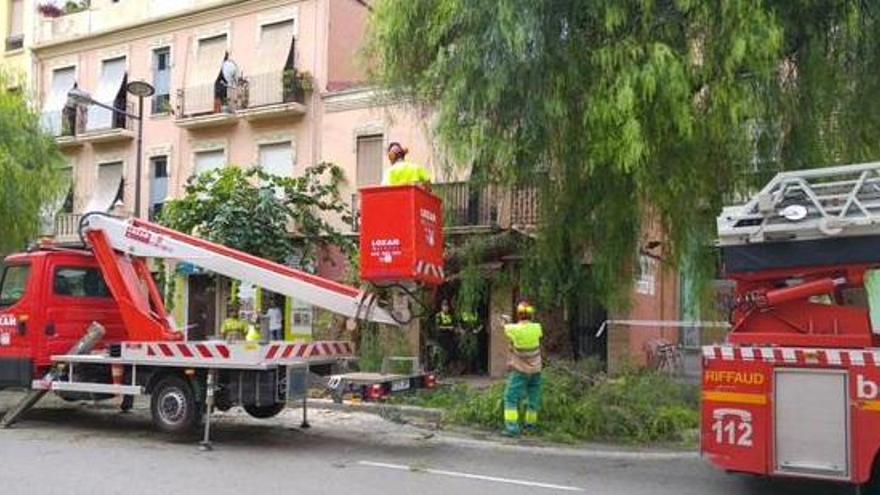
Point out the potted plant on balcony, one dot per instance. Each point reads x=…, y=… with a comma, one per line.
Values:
x=48, y=9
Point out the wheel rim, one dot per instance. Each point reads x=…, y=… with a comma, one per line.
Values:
x=172, y=406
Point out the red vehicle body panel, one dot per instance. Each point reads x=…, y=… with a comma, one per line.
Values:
x=43, y=322
x=741, y=380
x=401, y=235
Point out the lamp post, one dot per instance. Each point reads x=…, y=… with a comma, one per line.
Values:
x=142, y=90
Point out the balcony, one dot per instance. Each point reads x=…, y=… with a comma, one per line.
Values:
x=274, y=95
x=208, y=106
x=74, y=131
x=472, y=209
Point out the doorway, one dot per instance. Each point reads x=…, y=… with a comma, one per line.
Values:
x=202, y=307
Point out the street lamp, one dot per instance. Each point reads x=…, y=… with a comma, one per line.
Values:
x=141, y=89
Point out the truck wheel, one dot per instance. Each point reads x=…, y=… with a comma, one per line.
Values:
x=173, y=405
x=265, y=412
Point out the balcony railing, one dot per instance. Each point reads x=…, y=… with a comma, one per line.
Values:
x=207, y=99
x=273, y=88
x=525, y=206
x=67, y=228
x=469, y=208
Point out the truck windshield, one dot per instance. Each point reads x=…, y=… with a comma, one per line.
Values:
x=13, y=284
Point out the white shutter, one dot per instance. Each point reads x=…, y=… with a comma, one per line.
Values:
x=112, y=77
x=206, y=161
x=277, y=158
x=62, y=82
x=16, y=18
x=276, y=39
x=109, y=182
x=201, y=75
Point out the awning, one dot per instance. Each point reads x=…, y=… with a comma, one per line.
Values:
x=112, y=78
x=276, y=44
x=109, y=183
x=201, y=75
x=62, y=82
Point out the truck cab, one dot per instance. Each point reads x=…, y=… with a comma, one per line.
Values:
x=48, y=298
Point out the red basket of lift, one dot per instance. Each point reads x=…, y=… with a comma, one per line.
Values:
x=401, y=235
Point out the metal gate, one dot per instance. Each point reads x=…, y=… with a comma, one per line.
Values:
x=811, y=419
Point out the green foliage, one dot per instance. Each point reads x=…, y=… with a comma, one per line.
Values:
x=581, y=404
x=30, y=182
x=252, y=211
x=626, y=111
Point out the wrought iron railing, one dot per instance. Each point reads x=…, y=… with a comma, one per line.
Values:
x=210, y=99
x=272, y=88
x=468, y=207
x=525, y=206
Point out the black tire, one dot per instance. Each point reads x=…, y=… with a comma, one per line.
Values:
x=173, y=405
x=265, y=412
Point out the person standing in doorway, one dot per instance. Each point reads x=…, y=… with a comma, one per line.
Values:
x=525, y=370
x=276, y=319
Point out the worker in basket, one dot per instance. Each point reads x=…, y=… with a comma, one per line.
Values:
x=402, y=172
x=525, y=370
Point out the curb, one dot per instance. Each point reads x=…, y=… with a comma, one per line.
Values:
x=385, y=410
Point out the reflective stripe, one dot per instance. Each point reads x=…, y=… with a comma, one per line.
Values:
x=531, y=417
x=511, y=415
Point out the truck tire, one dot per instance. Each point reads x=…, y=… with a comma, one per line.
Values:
x=265, y=412
x=173, y=405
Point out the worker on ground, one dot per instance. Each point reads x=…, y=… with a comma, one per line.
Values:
x=525, y=370
x=402, y=172
x=445, y=324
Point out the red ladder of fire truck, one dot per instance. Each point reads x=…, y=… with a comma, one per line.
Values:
x=795, y=390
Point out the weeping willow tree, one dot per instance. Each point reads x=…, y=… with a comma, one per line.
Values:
x=30, y=182
x=633, y=111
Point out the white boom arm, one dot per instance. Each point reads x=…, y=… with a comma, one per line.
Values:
x=144, y=239
x=807, y=204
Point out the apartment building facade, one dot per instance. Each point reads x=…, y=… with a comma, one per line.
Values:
x=245, y=82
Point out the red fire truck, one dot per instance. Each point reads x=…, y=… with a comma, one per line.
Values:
x=90, y=322
x=795, y=389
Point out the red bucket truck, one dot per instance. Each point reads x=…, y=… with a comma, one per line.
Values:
x=50, y=296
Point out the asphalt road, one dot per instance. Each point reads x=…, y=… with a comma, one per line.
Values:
x=73, y=449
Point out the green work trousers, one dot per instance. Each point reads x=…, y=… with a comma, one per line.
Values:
x=518, y=385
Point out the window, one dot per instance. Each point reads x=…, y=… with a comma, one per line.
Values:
x=277, y=158
x=15, y=38
x=158, y=185
x=110, y=187
x=205, y=161
x=276, y=81
x=55, y=119
x=203, y=76
x=111, y=92
x=162, y=80
x=369, y=160
x=646, y=282
x=80, y=282
x=67, y=205
x=13, y=284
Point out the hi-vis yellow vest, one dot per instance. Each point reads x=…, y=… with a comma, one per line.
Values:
x=525, y=336
x=407, y=173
